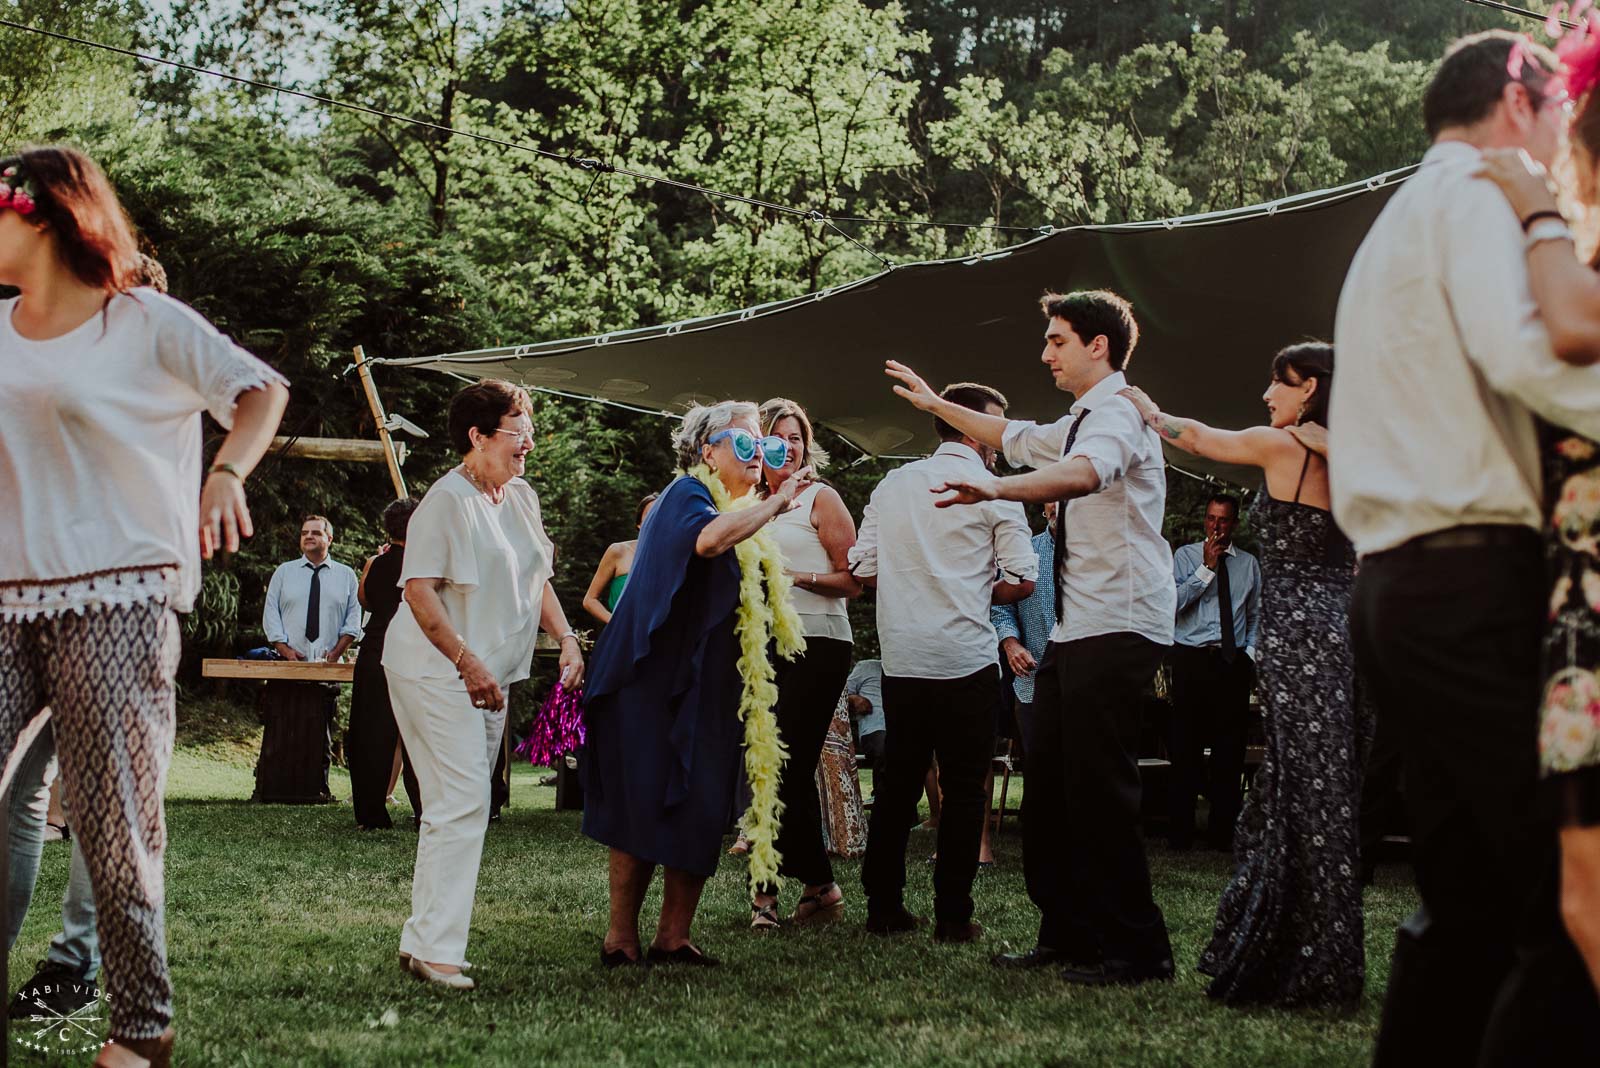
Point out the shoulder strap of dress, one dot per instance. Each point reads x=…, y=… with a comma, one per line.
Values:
x=1304, y=465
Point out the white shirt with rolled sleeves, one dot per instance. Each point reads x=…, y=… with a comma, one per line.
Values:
x=1116, y=574
x=936, y=566
x=1443, y=365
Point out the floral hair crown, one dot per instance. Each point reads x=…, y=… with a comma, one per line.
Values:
x=1575, y=29
x=18, y=191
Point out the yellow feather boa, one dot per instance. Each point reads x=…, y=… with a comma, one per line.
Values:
x=761, y=619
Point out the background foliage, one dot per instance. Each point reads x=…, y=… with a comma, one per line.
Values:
x=303, y=233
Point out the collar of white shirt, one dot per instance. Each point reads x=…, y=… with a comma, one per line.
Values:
x=1105, y=388
x=1451, y=150
x=955, y=448
x=306, y=562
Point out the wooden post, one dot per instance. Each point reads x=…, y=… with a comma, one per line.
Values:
x=383, y=431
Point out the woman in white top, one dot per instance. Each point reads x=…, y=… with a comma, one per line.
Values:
x=814, y=536
x=477, y=591
x=103, y=522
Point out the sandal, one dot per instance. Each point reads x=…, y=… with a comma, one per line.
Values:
x=739, y=847
x=812, y=910
x=765, y=917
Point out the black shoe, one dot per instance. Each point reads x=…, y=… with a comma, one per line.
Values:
x=684, y=954
x=58, y=988
x=1037, y=957
x=616, y=958
x=1119, y=973
x=957, y=933
x=892, y=921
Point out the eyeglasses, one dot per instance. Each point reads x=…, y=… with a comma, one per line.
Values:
x=774, y=451
x=520, y=435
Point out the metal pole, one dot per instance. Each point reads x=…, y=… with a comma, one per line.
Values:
x=377, y=414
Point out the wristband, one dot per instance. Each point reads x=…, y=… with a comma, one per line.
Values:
x=224, y=469
x=1536, y=216
x=1547, y=230
x=569, y=634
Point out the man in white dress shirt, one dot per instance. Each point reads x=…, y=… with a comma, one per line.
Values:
x=311, y=613
x=934, y=572
x=1082, y=852
x=1444, y=366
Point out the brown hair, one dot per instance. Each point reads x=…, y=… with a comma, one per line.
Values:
x=972, y=395
x=1475, y=71
x=779, y=408
x=1095, y=313
x=1308, y=359
x=327, y=524
x=482, y=405
x=76, y=201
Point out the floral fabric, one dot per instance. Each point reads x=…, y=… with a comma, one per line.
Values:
x=1569, y=714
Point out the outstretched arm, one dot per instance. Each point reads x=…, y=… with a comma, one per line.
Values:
x=978, y=426
x=1255, y=446
x=1061, y=481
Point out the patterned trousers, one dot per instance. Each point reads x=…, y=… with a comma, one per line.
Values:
x=107, y=677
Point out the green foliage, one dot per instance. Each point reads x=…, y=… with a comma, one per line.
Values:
x=304, y=233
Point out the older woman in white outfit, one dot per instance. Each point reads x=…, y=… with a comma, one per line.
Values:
x=477, y=591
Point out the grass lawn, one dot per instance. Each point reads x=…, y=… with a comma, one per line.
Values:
x=283, y=924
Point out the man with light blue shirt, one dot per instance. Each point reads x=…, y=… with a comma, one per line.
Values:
x=1213, y=669
x=311, y=613
x=864, y=698
x=1024, y=627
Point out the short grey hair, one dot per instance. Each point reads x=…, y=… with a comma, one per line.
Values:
x=704, y=420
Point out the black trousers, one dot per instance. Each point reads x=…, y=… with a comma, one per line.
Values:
x=369, y=748
x=1082, y=854
x=1211, y=709
x=1381, y=799
x=808, y=692
x=953, y=720
x=1448, y=640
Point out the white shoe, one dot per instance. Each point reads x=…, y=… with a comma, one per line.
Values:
x=405, y=963
x=453, y=980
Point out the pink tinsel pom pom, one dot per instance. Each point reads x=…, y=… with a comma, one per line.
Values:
x=557, y=728
x=1580, y=58
x=22, y=202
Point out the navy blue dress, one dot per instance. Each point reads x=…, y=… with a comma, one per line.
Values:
x=662, y=757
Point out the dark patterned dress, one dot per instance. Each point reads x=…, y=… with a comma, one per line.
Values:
x=1569, y=714
x=1288, y=928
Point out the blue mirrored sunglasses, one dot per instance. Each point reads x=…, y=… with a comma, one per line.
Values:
x=774, y=451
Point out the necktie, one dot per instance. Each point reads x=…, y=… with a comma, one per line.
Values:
x=1061, y=516
x=314, y=604
x=1230, y=647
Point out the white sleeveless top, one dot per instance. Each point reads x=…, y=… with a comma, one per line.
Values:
x=820, y=616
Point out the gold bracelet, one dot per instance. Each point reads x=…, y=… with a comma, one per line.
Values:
x=225, y=469
x=459, y=653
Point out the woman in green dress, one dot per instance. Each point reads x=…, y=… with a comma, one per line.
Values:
x=612, y=574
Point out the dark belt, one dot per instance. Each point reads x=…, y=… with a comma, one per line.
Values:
x=1478, y=536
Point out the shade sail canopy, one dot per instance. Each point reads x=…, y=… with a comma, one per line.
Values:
x=1216, y=295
